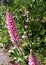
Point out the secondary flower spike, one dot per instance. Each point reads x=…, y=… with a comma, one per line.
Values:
x=12, y=29
x=32, y=59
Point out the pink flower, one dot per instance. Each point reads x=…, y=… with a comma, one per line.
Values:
x=12, y=29
x=32, y=59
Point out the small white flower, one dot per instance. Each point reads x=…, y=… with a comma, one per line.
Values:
x=27, y=20
x=26, y=26
x=24, y=37
x=30, y=5
x=25, y=15
x=26, y=12
x=10, y=51
x=25, y=32
x=20, y=9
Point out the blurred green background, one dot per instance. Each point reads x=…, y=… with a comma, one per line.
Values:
x=30, y=16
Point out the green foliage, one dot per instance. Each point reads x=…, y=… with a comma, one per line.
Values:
x=36, y=26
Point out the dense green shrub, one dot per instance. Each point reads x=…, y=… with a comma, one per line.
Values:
x=30, y=13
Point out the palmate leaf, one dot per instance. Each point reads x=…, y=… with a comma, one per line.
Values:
x=18, y=55
x=21, y=54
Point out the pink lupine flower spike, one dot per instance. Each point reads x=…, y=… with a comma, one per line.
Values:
x=12, y=29
x=32, y=59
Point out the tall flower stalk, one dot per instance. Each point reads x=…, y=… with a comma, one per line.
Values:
x=12, y=29
x=32, y=59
